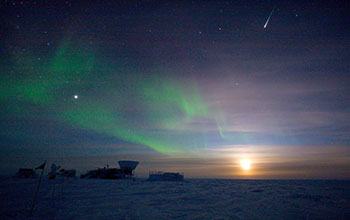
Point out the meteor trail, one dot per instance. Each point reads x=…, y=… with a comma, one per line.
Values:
x=268, y=19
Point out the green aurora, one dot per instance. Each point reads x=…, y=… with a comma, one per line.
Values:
x=161, y=105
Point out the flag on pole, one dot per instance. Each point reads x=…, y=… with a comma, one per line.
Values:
x=42, y=166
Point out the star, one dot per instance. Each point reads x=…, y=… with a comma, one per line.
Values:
x=76, y=97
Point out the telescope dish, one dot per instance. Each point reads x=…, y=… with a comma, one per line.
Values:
x=127, y=164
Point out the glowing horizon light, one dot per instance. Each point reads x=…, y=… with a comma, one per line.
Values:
x=245, y=164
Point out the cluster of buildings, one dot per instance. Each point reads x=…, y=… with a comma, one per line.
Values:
x=125, y=171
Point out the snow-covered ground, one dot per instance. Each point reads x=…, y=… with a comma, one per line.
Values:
x=191, y=199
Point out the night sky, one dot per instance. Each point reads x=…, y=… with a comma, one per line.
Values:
x=189, y=86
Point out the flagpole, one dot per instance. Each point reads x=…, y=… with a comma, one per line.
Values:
x=37, y=190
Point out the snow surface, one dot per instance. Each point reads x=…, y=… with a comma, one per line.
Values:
x=191, y=199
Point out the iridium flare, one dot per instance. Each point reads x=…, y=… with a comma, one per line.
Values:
x=268, y=19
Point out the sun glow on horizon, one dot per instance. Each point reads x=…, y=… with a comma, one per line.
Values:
x=245, y=164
